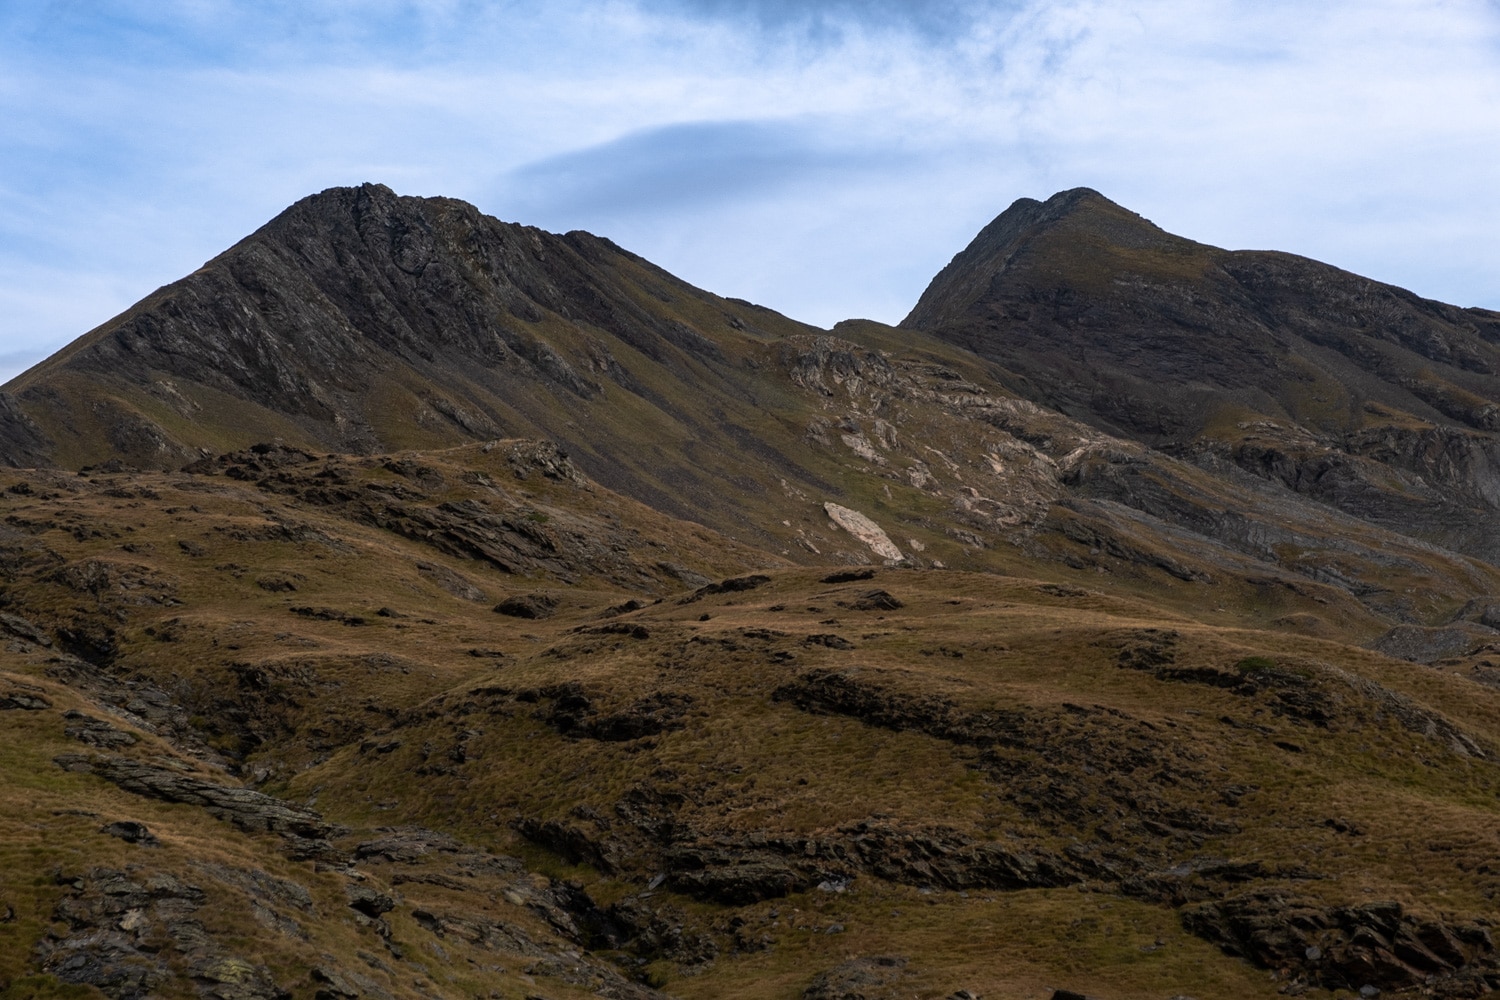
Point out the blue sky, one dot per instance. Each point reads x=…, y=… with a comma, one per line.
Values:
x=823, y=157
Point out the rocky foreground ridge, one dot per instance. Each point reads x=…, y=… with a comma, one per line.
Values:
x=408, y=604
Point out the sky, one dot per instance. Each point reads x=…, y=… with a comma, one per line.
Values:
x=822, y=157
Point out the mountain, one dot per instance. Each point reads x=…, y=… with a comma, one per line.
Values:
x=362, y=321
x=359, y=321
x=1360, y=395
x=409, y=604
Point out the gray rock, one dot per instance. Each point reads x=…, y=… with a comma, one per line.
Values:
x=23, y=629
x=334, y=986
x=249, y=810
x=1425, y=645
x=100, y=923
x=454, y=583
x=261, y=887
x=875, y=600
x=110, y=962
x=491, y=935
x=687, y=576
x=13, y=700
x=745, y=879
x=369, y=901
x=875, y=978
x=1328, y=945
x=236, y=979
x=849, y=576
x=528, y=606
x=131, y=832
x=733, y=585
x=97, y=732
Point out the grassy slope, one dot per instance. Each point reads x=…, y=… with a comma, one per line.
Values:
x=744, y=761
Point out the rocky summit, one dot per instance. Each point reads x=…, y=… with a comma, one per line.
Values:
x=408, y=604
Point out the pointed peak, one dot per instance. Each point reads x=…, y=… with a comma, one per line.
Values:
x=1079, y=206
x=1063, y=202
x=1079, y=221
x=344, y=192
x=358, y=200
x=375, y=212
x=343, y=202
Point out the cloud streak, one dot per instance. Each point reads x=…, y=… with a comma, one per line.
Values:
x=694, y=165
x=831, y=20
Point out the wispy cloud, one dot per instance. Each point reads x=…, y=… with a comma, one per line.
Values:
x=832, y=20
x=822, y=156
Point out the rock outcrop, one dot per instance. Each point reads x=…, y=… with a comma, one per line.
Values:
x=1369, y=945
x=246, y=808
x=864, y=529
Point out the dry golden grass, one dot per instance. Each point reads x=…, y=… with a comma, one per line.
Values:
x=303, y=702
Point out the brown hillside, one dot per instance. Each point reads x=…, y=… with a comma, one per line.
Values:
x=413, y=605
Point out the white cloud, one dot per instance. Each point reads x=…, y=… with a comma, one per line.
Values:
x=1360, y=133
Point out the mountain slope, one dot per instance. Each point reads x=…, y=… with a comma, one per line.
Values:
x=358, y=320
x=362, y=319
x=1358, y=394
x=464, y=722
x=792, y=663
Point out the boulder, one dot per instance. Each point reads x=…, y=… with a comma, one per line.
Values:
x=533, y=606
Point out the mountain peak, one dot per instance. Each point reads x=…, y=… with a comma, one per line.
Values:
x=1079, y=220
x=343, y=193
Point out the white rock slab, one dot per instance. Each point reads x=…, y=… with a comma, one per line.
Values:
x=864, y=529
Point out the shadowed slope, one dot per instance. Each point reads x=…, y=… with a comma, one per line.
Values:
x=1355, y=393
x=359, y=320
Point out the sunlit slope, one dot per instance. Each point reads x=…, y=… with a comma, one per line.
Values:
x=496, y=729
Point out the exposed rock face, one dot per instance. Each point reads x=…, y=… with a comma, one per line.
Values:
x=731, y=586
x=25, y=443
x=303, y=316
x=358, y=320
x=860, y=979
x=490, y=525
x=528, y=606
x=866, y=530
x=127, y=936
x=1373, y=944
x=1424, y=645
x=245, y=808
x=22, y=700
x=734, y=754
x=1359, y=394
